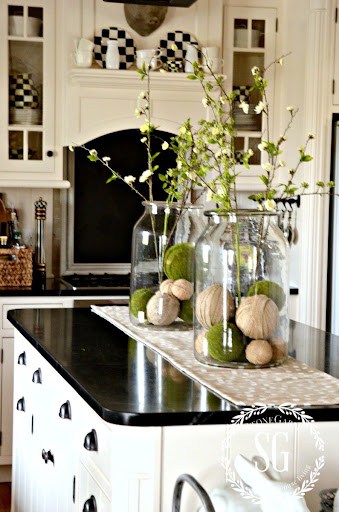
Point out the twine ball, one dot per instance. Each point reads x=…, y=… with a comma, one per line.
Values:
x=201, y=344
x=209, y=306
x=225, y=344
x=166, y=286
x=162, y=309
x=257, y=317
x=182, y=289
x=259, y=352
x=178, y=261
x=279, y=349
x=138, y=301
x=269, y=288
x=186, y=311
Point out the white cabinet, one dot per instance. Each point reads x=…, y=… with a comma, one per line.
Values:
x=28, y=154
x=249, y=40
x=65, y=457
x=6, y=368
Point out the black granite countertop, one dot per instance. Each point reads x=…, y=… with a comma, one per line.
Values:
x=56, y=288
x=129, y=384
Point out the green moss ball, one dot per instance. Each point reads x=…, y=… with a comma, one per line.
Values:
x=269, y=288
x=186, y=311
x=178, y=261
x=138, y=300
x=225, y=345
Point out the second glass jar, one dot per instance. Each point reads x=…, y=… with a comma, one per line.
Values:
x=241, y=291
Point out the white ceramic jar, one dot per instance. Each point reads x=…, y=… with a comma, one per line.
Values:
x=112, y=54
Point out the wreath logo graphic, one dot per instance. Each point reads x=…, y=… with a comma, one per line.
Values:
x=249, y=415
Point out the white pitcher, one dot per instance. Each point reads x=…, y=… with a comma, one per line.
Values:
x=191, y=57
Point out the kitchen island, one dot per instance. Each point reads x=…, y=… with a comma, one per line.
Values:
x=116, y=421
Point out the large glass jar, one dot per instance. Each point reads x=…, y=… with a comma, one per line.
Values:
x=241, y=291
x=162, y=265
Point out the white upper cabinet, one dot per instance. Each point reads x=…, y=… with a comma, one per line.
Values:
x=28, y=155
x=249, y=40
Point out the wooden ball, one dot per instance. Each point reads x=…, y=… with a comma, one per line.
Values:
x=182, y=289
x=209, y=306
x=166, y=286
x=257, y=317
x=201, y=344
x=162, y=309
x=279, y=348
x=259, y=352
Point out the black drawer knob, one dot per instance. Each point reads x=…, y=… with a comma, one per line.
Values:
x=37, y=376
x=49, y=153
x=21, y=404
x=90, y=505
x=47, y=456
x=22, y=358
x=65, y=411
x=91, y=441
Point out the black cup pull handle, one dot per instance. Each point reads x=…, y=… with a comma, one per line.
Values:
x=65, y=412
x=90, y=505
x=91, y=441
x=21, y=404
x=37, y=376
x=22, y=358
x=47, y=456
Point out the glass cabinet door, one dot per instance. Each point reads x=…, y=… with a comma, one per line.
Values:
x=27, y=70
x=249, y=41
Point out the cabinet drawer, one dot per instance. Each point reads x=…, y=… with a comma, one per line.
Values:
x=7, y=307
x=96, y=436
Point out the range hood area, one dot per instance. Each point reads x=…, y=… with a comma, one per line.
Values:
x=162, y=3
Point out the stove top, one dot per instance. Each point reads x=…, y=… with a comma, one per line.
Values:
x=98, y=281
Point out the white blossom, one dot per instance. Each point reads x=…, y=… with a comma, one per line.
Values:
x=137, y=112
x=222, y=100
x=260, y=107
x=268, y=167
x=165, y=145
x=282, y=163
x=205, y=102
x=183, y=130
x=106, y=159
x=311, y=135
x=143, y=139
x=145, y=175
x=270, y=205
x=250, y=152
x=255, y=70
x=215, y=130
x=142, y=95
x=290, y=108
x=244, y=106
x=179, y=164
x=93, y=152
x=209, y=195
x=71, y=148
x=281, y=61
x=129, y=179
x=262, y=146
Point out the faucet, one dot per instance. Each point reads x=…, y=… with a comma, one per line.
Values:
x=204, y=497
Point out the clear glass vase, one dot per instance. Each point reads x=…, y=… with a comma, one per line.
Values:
x=241, y=291
x=163, y=239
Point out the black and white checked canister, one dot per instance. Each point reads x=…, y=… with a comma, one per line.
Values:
x=242, y=92
x=125, y=44
x=22, y=92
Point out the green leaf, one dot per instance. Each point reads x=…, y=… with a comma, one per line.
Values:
x=92, y=158
x=264, y=179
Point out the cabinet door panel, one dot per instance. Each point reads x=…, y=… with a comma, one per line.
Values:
x=6, y=392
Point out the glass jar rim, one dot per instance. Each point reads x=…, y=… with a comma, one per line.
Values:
x=242, y=212
x=164, y=204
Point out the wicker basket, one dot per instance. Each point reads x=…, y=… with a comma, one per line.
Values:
x=16, y=267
